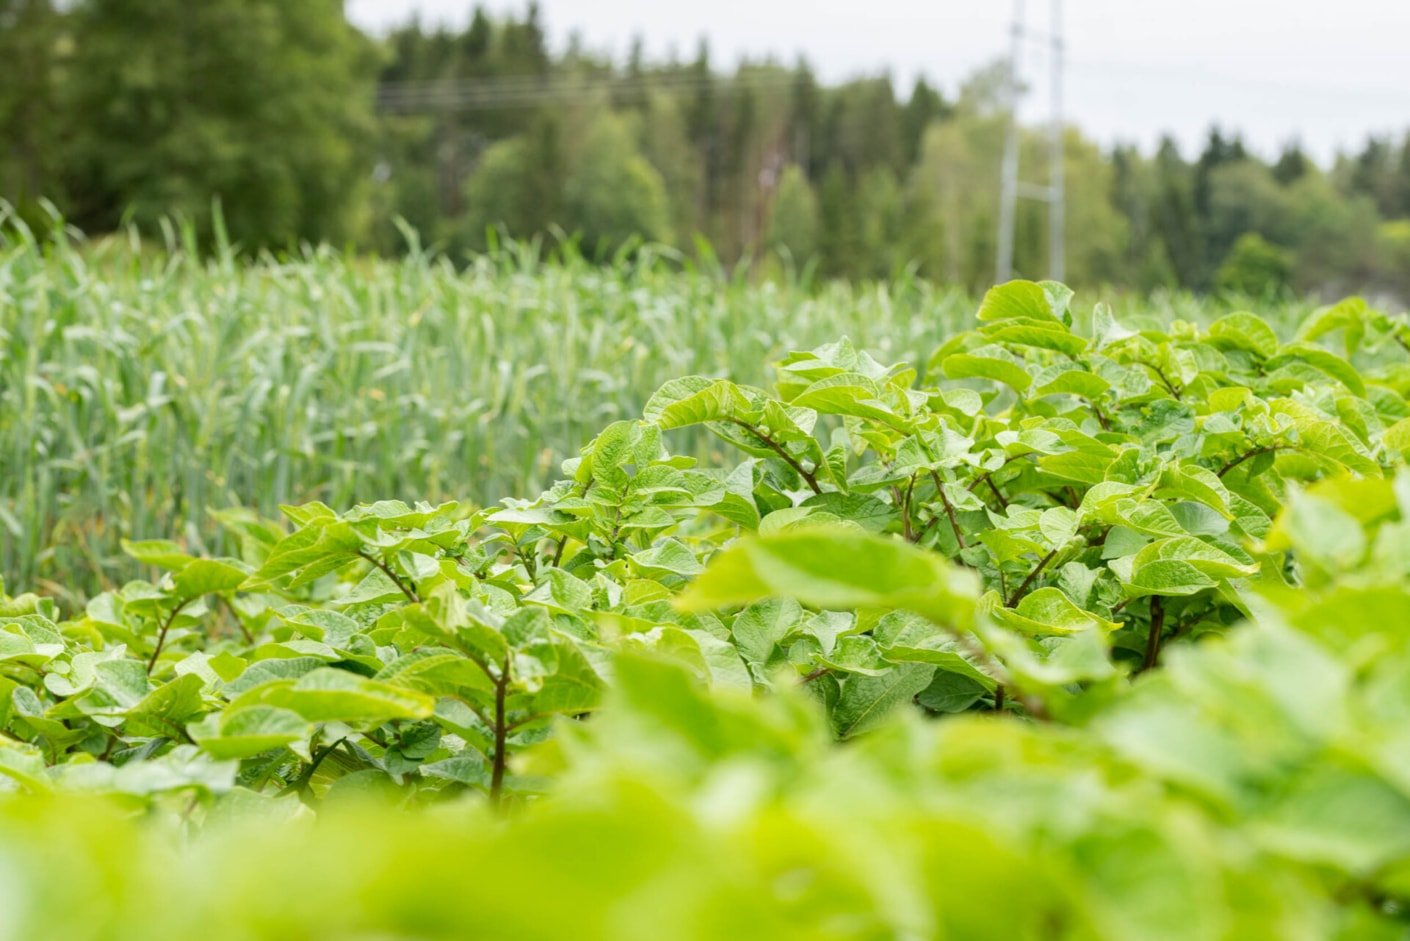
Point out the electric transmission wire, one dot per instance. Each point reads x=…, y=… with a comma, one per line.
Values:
x=529, y=91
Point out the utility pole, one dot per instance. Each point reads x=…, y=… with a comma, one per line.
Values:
x=1057, y=189
x=1010, y=186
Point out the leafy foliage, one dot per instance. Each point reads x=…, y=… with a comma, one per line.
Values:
x=142, y=386
x=1154, y=580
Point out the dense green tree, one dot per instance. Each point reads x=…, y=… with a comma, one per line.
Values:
x=30, y=129
x=1255, y=267
x=1292, y=164
x=261, y=104
x=956, y=158
x=1134, y=194
x=864, y=126
x=1243, y=197
x=793, y=218
x=840, y=246
x=1374, y=173
x=1095, y=232
x=1400, y=207
x=926, y=106
x=1393, y=257
x=611, y=193
x=1333, y=236
x=143, y=108
x=666, y=146
x=881, y=221
x=1174, y=216
x=519, y=185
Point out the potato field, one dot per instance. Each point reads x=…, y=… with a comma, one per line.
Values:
x=363, y=599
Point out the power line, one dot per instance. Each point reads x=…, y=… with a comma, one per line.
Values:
x=533, y=91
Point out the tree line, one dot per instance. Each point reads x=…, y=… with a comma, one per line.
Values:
x=302, y=128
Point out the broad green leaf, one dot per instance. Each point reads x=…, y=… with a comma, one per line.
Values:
x=330, y=695
x=162, y=553
x=1245, y=331
x=205, y=576
x=972, y=366
x=1207, y=558
x=1047, y=611
x=835, y=569
x=866, y=700
x=240, y=732
x=693, y=400
x=1023, y=300
x=669, y=557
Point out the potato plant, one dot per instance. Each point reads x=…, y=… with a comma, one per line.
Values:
x=1114, y=617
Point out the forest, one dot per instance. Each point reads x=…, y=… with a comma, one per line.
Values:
x=298, y=128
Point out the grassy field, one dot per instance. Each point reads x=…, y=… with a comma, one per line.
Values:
x=143, y=385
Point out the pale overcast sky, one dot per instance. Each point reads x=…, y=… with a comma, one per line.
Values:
x=1326, y=73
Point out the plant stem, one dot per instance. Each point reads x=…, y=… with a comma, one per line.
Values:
x=307, y=776
x=1153, y=638
x=908, y=532
x=1244, y=457
x=1165, y=382
x=1101, y=416
x=999, y=698
x=161, y=634
x=396, y=579
x=812, y=676
x=239, y=624
x=1023, y=588
x=616, y=529
x=949, y=508
x=771, y=444
x=501, y=732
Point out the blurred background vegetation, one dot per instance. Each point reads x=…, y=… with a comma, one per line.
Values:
x=306, y=129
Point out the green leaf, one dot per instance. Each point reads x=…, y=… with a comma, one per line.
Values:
x=466, y=768
x=1247, y=332
x=161, y=553
x=950, y=693
x=164, y=710
x=1025, y=300
x=762, y=626
x=835, y=569
x=849, y=394
x=240, y=732
x=23, y=765
x=1203, y=556
x=330, y=695
x=865, y=700
x=1047, y=611
x=669, y=557
x=693, y=400
x=207, y=576
x=971, y=366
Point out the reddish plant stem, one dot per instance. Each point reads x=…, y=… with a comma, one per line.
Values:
x=949, y=508
x=1153, y=638
x=772, y=445
x=1032, y=576
x=1244, y=457
x=161, y=634
x=501, y=733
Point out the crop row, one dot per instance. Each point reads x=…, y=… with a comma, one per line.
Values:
x=141, y=387
x=1060, y=536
